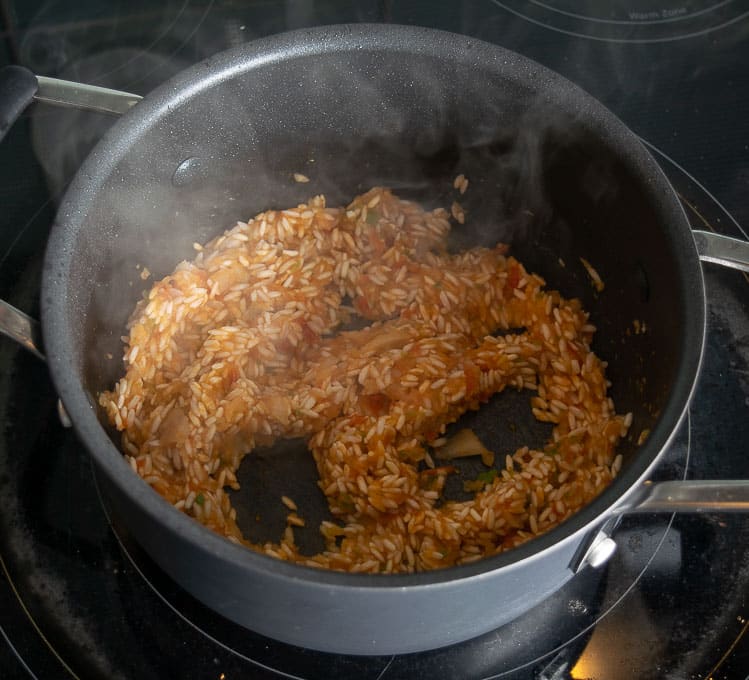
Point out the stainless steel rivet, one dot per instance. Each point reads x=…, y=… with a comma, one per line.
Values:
x=601, y=552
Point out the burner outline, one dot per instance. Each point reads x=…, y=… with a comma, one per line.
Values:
x=698, y=184
x=631, y=22
x=588, y=36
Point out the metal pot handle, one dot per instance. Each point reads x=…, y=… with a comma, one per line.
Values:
x=21, y=328
x=722, y=250
x=699, y=495
x=81, y=96
x=19, y=87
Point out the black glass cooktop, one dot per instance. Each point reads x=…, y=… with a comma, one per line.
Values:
x=78, y=598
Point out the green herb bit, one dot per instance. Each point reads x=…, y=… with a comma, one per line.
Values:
x=487, y=477
x=346, y=504
x=200, y=499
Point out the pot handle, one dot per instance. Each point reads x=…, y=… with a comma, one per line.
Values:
x=25, y=331
x=693, y=496
x=19, y=87
x=723, y=250
x=699, y=495
x=22, y=328
x=81, y=96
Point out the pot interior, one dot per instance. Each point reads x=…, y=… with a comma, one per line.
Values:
x=550, y=173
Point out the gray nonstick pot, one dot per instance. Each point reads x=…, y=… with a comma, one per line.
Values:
x=552, y=173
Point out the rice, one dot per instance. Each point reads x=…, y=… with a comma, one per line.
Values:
x=457, y=212
x=241, y=347
x=593, y=274
x=460, y=183
x=290, y=504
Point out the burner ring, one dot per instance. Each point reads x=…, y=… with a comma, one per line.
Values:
x=630, y=21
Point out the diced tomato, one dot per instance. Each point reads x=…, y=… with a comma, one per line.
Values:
x=284, y=346
x=442, y=470
x=362, y=306
x=375, y=241
x=473, y=374
x=310, y=337
x=513, y=276
x=374, y=404
x=230, y=376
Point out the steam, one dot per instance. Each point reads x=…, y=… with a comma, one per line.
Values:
x=62, y=138
x=348, y=121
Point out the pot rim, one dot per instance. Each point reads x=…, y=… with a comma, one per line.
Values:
x=58, y=327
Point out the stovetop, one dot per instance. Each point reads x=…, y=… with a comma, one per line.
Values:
x=78, y=598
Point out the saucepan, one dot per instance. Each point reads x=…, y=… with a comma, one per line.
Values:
x=552, y=173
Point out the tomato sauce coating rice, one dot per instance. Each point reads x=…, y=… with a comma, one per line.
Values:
x=242, y=346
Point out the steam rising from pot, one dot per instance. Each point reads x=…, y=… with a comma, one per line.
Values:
x=189, y=167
